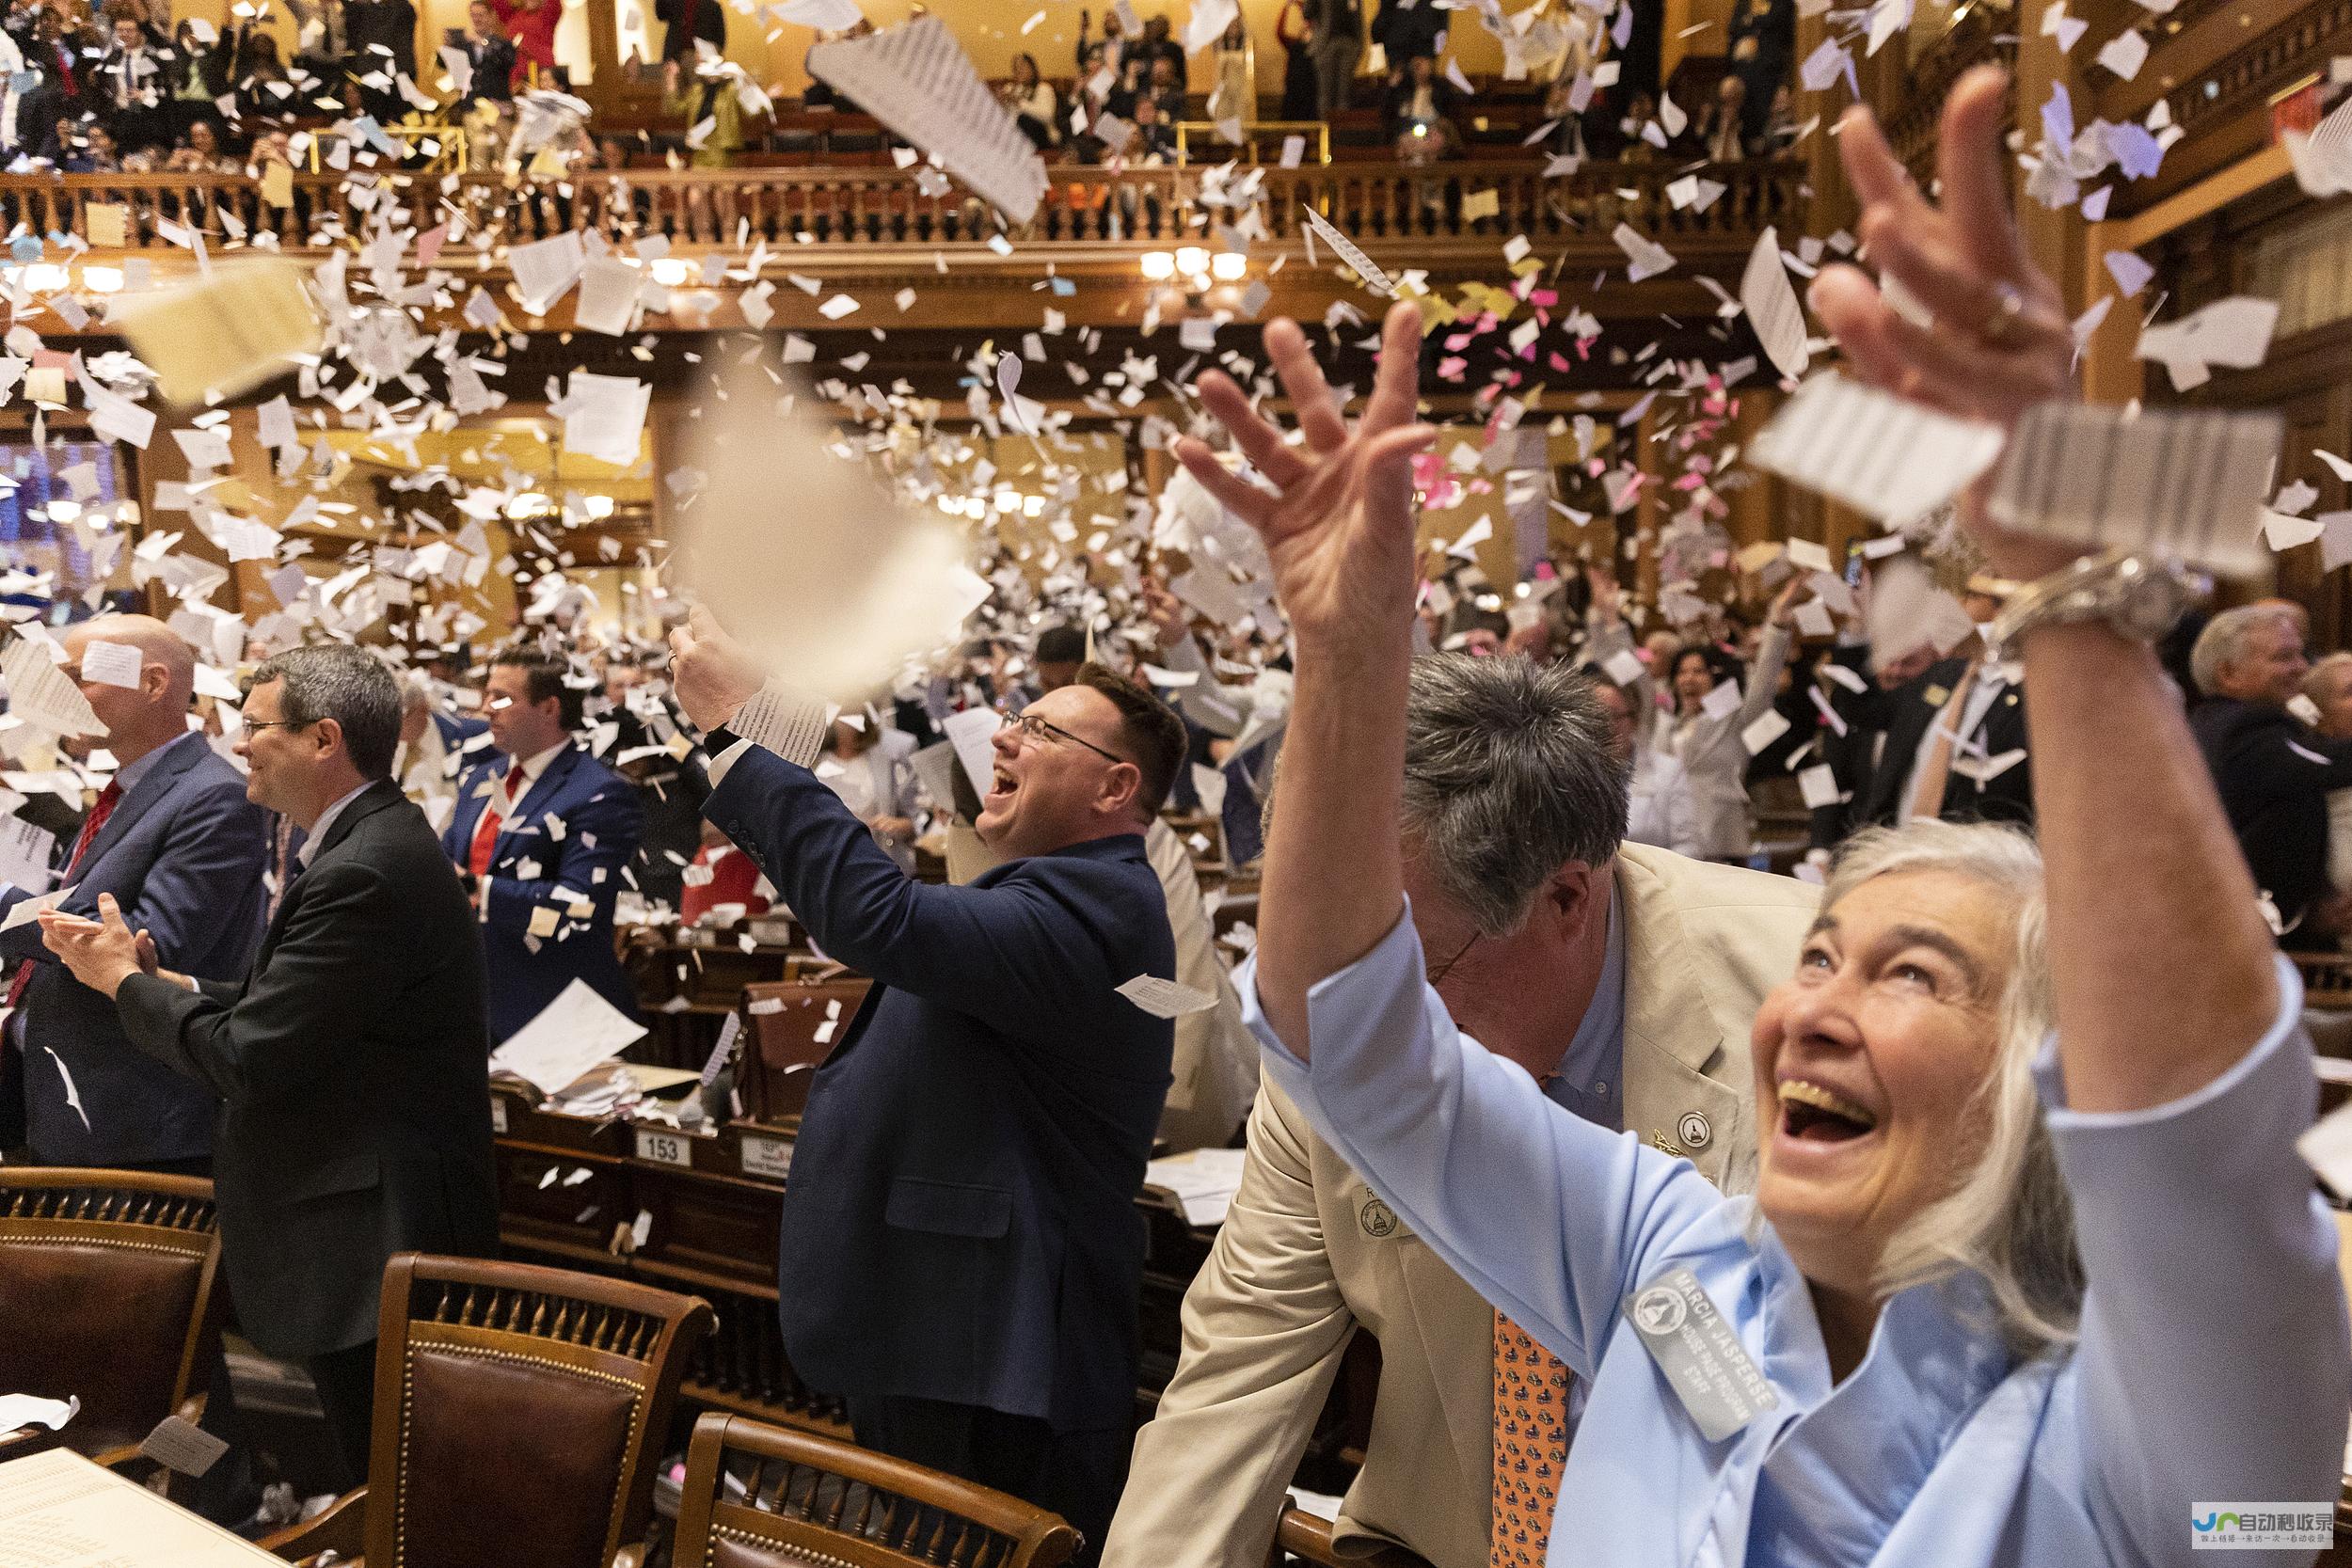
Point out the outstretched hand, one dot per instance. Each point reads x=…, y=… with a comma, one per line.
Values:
x=1337, y=523
x=2001, y=342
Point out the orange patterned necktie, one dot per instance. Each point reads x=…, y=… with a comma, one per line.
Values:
x=1531, y=1444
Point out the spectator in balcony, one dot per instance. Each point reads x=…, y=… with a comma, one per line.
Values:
x=1234, y=95
x=1762, y=35
x=491, y=56
x=1336, y=39
x=1165, y=86
x=1033, y=102
x=87, y=147
x=1113, y=44
x=688, y=21
x=1155, y=46
x=532, y=24
x=1408, y=32
x=1780, y=124
x=200, y=153
x=1120, y=101
x=1567, y=127
x=714, y=119
x=1719, y=125
x=1420, y=103
x=1154, y=139
x=206, y=67
x=1639, y=111
x=131, y=79
x=382, y=36
x=1296, y=34
x=263, y=91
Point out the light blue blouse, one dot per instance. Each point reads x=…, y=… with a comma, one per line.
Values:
x=2214, y=1364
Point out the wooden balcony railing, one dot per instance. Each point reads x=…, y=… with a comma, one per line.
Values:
x=1401, y=209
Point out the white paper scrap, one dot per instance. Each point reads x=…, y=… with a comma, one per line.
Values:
x=574, y=1033
x=917, y=80
x=1771, y=302
x=39, y=693
x=1374, y=279
x=2189, y=482
x=1166, y=998
x=1879, y=453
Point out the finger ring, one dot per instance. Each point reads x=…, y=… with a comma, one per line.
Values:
x=2004, y=314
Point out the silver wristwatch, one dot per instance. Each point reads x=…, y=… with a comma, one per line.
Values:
x=2139, y=599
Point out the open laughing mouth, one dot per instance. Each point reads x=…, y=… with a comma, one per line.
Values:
x=1002, y=787
x=1813, y=1114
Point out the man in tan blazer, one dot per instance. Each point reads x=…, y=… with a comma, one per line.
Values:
x=1676, y=953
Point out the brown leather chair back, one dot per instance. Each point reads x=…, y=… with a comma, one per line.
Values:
x=108, y=1294
x=782, y=1050
x=809, y=1499
x=519, y=1412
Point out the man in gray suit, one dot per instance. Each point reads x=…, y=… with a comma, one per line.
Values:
x=1622, y=977
x=176, y=842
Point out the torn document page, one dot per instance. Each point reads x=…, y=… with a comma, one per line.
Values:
x=223, y=333
x=40, y=693
x=1879, y=453
x=2188, y=482
x=917, y=80
x=832, y=591
x=1346, y=248
x=1771, y=302
x=572, y=1033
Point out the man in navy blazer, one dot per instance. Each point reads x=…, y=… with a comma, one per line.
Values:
x=542, y=833
x=181, y=850
x=960, y=1250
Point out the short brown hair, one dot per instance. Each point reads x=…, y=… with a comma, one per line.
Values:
x=1150, y=733
x=543, y=678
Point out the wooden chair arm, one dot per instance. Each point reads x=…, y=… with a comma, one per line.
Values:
x=342, y=1529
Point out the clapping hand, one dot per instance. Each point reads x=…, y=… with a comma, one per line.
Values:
x=102, y=953
x=1337, y=523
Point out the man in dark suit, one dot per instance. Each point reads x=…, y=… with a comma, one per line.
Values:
x=2273, y=773
x=541, y=835
x=962, y=1257
x=178, y=847
x=1955, y=749
x=351, y=1063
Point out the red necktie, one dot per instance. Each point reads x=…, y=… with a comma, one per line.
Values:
x=486, y=832
x=99, y=810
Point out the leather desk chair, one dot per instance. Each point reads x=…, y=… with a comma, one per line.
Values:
x=816, y=1502
x=109, y=1293
x=519, y=1418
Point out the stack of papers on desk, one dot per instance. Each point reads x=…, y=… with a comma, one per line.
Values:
x=1203, y=1181
x=575, y=1032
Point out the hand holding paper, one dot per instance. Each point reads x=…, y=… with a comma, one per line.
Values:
x=2002, y=342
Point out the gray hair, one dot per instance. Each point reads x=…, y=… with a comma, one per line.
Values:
x=350, y=686
x=2010, y=1219
x=2223, y=642
x=1510, y=773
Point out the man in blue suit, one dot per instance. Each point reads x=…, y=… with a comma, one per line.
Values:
x=176, y=842
x=960, y=1250
x=541, y=834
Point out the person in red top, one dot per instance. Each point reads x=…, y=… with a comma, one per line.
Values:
x=733, y=880
x=532, y=24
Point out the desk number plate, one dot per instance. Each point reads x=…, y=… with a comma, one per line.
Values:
x=770, y=1157
x=498, y=1115
x=668, y=1149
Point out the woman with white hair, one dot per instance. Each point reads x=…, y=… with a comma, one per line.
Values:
x=2033, y=1273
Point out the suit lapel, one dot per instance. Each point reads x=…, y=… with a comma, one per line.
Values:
x=133, y=803
x=536, y=795
x=366, y=803
x=1675, y=1027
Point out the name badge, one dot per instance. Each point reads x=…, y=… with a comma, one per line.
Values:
x=1695, y=1346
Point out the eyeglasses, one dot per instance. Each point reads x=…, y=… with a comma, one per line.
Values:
x=1436, y=975
x=279, y=723
x=1035, y=727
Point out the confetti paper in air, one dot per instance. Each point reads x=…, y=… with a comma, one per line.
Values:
x=1374, y=279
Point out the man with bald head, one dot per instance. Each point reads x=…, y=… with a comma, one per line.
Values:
x=174, y=839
